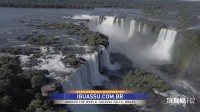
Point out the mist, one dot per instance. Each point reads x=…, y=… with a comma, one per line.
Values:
x=133, y=39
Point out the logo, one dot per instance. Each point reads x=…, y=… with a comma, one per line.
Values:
x=181, y=100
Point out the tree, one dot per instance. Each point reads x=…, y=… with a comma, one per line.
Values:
x=142, y=81
x=34, y=105
x=6, y=103
x=37, y=81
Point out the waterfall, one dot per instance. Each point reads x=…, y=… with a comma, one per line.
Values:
x=87, y=76
x=117, y=22
x=144, y=29
x=162, y=48
x=105, y=60
x=122, y=24
x=94, y=21
x=139, y=27
x=109, y=26
x=132, y=28
x=109, y=21
x=82, y=16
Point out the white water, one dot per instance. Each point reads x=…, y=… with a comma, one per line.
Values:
x=86, y=77
x=117, y=22
x=45, y=49
x=172, y=94
x=85, y=47
x=24, y=59
x=52, y=63
x=109, y=28
x=82, y=16
x=109, y=21
x=132, y=28
x=105, y=60
x=144, y=29
x=94, y=21
x=139, y=27
x=160, y=51
x=186, y=85
x=163, y=47
x=122, y=24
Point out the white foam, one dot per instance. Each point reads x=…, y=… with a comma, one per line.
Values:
x=86, y=47
x=161, y=50
x=85, y=77
x=24, y=45
x=186, y=85
x=66, y=17
x=24, y=59
x=82, y=16
x=46, y=49
x=132, y=28
x=144, y=29
x=105, y=59
x=53, y=63
x=139, y=27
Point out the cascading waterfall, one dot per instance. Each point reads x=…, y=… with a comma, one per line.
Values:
x=88, y=76
x=112, y=22
x=109, y=20
x=144, y=29
x=95, y=20
x=139, y=27
x=107, y=24
x=105, y=60
x=122, y=24
x=163, y=47
x=160, y=52
x=82, y=16
x=132, y=28
x=117, y=22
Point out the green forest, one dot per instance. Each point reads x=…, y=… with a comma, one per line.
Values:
x=144, y=4
x=174, y=10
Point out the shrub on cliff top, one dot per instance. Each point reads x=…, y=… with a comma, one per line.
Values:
x=72, y=60
x=142, y=81
x=96, y=39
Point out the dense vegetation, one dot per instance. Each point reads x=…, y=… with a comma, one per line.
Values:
x=97, y=39
x=142, y=81
x=20, y=89
x=17, y=51
x=183, y=13
x=96, y=3
x=72, y=60
x=93, y=39
x=38, y=39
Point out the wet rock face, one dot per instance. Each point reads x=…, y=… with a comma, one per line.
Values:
x=193, y=71
x=186, y=49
